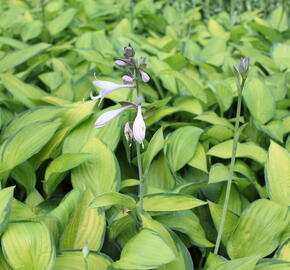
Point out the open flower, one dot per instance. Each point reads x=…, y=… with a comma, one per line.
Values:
x=107, y=87
x=107, y=117
x=139, y=127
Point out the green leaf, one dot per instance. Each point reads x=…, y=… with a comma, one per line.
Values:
x=259, y=100
x=154, y=146
x=55, y=170
x=213, y=118
x=52, y=79
x=24, y=93
x=247, y=263
x=272, y=264
x=24, y=175
x=182, y=146
x=146, y=250
x=61, y=21
x=223, y=93
x=100, y=174
x=218, y=172
x=15, y=58
x=183, y=259
x=186, y=222
x=170, y=202
x=86, y=225
x=74, y=260
x=277, y=173
x=245, y=150
x=113, y=198
x=280, y=54
x=31, y=30
x=259, y=230
x=28, y=117
x=188, y=104
x=279, y=18
x=159, y=174
x=28, y=245
x=68, y=204
x=283, y=253
x=199, y=159
x=190, y=84
x=6, y=196
x=25, y=143
x=3, y=263
x=215, y=50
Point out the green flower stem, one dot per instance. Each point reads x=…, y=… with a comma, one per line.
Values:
x=233, y=159
x=139, y=158
x=141, y=184
x=86, y=264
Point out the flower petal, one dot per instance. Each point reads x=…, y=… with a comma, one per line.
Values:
x=107, y=117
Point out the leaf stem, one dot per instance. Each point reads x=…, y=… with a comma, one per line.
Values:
x=233, y=159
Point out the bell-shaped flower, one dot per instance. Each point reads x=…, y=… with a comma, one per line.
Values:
x=107, y=87
x=128, y=133
x=139, y=127
x=144, y=75
x=107, y=117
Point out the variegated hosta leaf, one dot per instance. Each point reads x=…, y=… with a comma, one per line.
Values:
x=28, y=246
x=146, y=250
x=86, y=225
x=100, y=174
x=170, y=202
x=74, y=260
x=6, y=196
x=183, y=259
x=258, y=230
x=277, y=172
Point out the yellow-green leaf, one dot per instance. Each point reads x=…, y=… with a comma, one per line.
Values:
x=28, y=246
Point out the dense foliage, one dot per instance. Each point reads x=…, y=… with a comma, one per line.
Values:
x=69, y=197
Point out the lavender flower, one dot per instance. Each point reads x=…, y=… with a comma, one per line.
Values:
x=107, y=87
x=107, y=117
x=139, y=127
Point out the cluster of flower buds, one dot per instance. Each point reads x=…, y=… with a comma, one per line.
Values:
x=129, y=81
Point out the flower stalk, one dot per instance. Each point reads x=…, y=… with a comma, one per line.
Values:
x=243, y=72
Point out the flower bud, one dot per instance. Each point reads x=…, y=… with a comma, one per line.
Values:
x=128, y=133
x=121, y=63
x=139, y=127
x=129, y=51
x=244, y=67
x=145, y=77
x=127, y=79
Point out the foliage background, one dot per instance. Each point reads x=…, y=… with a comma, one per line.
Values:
x=50, y=150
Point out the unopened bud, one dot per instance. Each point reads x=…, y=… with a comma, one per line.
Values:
x=128, y=133
x=244, y=67
x=129, y=51
x=86, y=250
